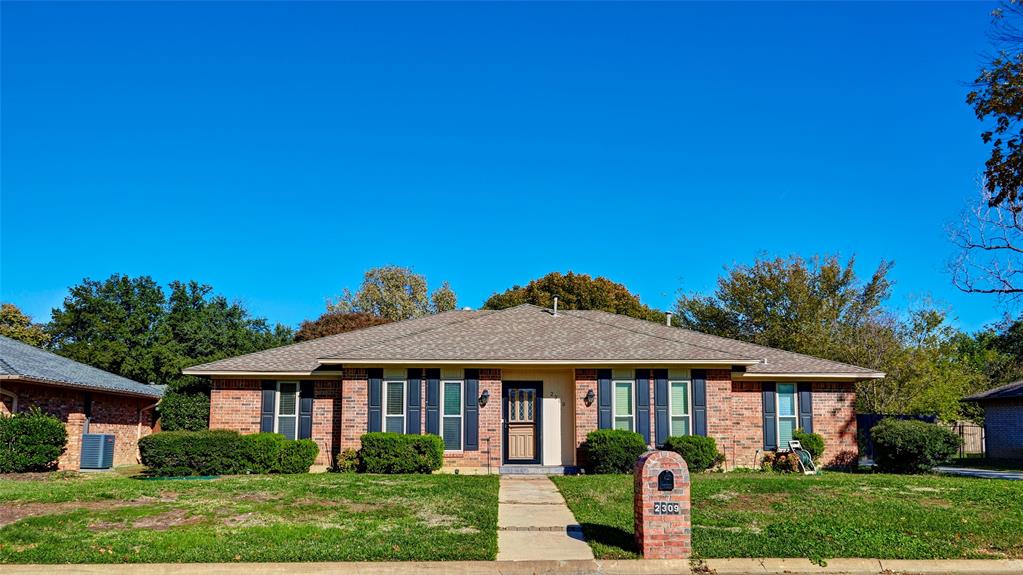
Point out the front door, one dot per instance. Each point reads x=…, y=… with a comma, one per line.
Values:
x=522, y=421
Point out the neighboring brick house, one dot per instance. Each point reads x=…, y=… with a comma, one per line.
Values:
x=1003, y=420
x=523, y=386
x=86, y=399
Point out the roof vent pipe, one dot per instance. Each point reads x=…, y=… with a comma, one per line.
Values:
x=667, y=318
x=555, y=306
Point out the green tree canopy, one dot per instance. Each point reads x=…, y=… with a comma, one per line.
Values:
x=129, y=327
x=331, y=323
x=16, y=325
x=394, y=293
x=575, y=291
x=821, y=308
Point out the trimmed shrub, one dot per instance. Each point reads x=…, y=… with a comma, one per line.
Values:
x=612, y=450
x=30, y=441
x=701, y=453
x=172, y=453
x=297, y=456
x=221, y=452
x=384, y=452
x=811, y=442
x=347, y=461
x=909, y=446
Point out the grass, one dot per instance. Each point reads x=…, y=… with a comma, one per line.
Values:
x=831, y=515
x=108, y=518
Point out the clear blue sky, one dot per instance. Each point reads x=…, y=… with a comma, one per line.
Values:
x=276, y=151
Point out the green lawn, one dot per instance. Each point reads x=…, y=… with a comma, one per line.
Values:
x=320, y=517
x=831, y=515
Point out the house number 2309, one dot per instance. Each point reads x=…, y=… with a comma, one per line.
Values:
x=665, y=508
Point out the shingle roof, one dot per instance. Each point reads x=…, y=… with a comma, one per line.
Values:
x=527, y=333
x=22, y=361
x=1012, y=390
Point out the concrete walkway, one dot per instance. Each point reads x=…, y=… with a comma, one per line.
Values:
x=982, y=473
x=534, y=523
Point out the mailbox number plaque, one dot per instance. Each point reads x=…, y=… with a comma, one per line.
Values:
x=666, y=508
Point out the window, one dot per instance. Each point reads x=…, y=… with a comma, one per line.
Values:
x=787, y=411
x=451, y=426
x=394, y=406
x=623, y=415
x=286, y=420
x=678, y=407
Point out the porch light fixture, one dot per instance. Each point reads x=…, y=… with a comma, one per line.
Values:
x=590, y=396
x=484, y=397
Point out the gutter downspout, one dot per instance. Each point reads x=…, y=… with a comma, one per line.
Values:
x=138, y=431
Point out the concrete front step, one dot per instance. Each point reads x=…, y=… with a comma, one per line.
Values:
x=537, y=470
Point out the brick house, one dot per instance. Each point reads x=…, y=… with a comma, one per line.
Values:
x=86, y=399
x=520, y=388
x=1003, y=420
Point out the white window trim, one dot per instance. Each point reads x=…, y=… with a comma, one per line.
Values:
x=689, y=414
x=461, y=414
x=404, y=404
x=614, y=401
x=778, y=415
x=277, y=405
x=14, y=400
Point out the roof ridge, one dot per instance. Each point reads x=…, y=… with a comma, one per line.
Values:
x=648, y=334
x=422, y=331
x=309, y=342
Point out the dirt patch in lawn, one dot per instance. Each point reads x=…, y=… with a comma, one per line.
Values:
x=166, y=520
x=755, y=501
x=933, y=502
x=16, y=512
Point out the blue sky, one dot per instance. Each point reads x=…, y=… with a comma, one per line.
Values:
x=276, y=151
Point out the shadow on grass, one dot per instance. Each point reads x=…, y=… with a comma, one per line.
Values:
x=609, y=536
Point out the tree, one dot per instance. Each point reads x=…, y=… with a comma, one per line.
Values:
x=111, y=325
x=575, y=291
x=444, y=298
x=998, y=96
x=16, y=325
x=394, y=293
x=818, y=307
x=332, y=323
x=990, y=242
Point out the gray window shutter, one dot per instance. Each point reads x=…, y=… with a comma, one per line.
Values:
x=806, y=407
x=471, y=421
x=643, y=403
x=433, y=401
x=266, y=413
x=770, y=429
x=699, y=401
x=662, y=423
x=376, y=399
x=414, y=405
x=604, y=399
x=305, y=409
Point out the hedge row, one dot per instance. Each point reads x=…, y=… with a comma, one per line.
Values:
x=30, y=441
x=220, y=452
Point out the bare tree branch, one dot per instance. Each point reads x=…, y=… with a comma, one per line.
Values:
x=990, y=241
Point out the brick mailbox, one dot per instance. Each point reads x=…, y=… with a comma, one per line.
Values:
x=661, y=501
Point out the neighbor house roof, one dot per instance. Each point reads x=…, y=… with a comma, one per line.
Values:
x=1012, y=390
x=21, y=361
x=527, y=334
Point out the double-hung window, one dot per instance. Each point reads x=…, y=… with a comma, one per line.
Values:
x=624, y=414
x=678, y=406
x=394, y=406
x=451, y=426
x=286, y=416
x=787, y=413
